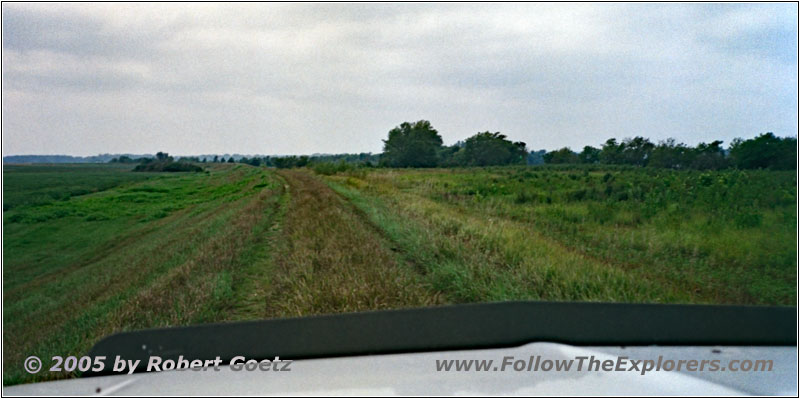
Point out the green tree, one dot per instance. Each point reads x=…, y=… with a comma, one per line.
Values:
x=636, y=151
x=412, y=145
x=611, y=152
x=564, y=155
x=487, y=148
x=669, y=155
x=765, y=151
x=709, y=156
x=589, y=155
x=451, y=155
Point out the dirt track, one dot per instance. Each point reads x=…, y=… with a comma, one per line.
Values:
x=330, y=260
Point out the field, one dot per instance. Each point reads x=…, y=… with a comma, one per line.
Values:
x=94, y=249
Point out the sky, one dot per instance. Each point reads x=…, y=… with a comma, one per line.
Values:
x=83, y=79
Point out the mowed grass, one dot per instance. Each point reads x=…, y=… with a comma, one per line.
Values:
x=166, y=251
x=589, y=234
x=332, y=260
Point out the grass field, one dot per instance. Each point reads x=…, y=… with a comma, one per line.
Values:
x=42, y=184
x=94, y=249
x=632, y=235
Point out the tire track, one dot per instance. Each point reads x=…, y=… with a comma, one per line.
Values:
x=330, y=260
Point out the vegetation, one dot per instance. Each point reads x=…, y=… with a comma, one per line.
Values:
x=127, y=159
x=589, y=233
x=331, y=168
x=166, y=250
x=412, y=145
x=330, y=259
x=165, y=163
x=94, y=249
x=418, y=144
x=290, y=162
x=484, y=149
x=763, y=152
x=44, y=184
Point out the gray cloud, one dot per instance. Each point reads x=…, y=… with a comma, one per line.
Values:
x=303, y=78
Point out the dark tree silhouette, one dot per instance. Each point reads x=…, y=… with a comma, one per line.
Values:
x=412, y=145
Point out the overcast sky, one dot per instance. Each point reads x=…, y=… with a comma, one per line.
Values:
x=83, y=79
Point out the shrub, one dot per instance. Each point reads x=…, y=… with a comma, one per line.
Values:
x=167, y=166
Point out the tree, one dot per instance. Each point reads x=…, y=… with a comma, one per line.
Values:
x=282, y=162
x=216, y=159
x=669, y=155
x=536, y=157
x=301, y=161
x=589, y=155
x=564, y=155
x=450, y=156
x=230, y=160
x=765, y=151
x=709, y=156
x=636, y=151
x=412, y=145
x=122, y=159
x=487, y=148
x=611, y=152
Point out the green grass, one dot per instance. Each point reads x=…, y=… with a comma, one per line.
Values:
x=42, y=184
x=159, y=252
x=582, y=233
x=90, y=250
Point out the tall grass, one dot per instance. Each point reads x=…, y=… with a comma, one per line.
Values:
x=636, y=235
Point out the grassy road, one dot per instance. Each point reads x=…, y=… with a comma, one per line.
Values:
x=330, y=259
x=237, y=243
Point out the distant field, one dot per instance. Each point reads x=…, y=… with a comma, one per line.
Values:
x=112, y=250
x=42, y=184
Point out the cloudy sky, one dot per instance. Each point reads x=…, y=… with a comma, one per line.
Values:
x=83, y=79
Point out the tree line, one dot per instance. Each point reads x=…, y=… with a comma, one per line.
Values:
x=765, y=151
x=419, y=145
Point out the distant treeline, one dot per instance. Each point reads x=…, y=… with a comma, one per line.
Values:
x=765, y=151
x=164, y=163
x=418, y=144
x=290, y=161
x=102, y=158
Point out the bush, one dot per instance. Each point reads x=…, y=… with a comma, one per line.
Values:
x=167, y=166
x=332, y=168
